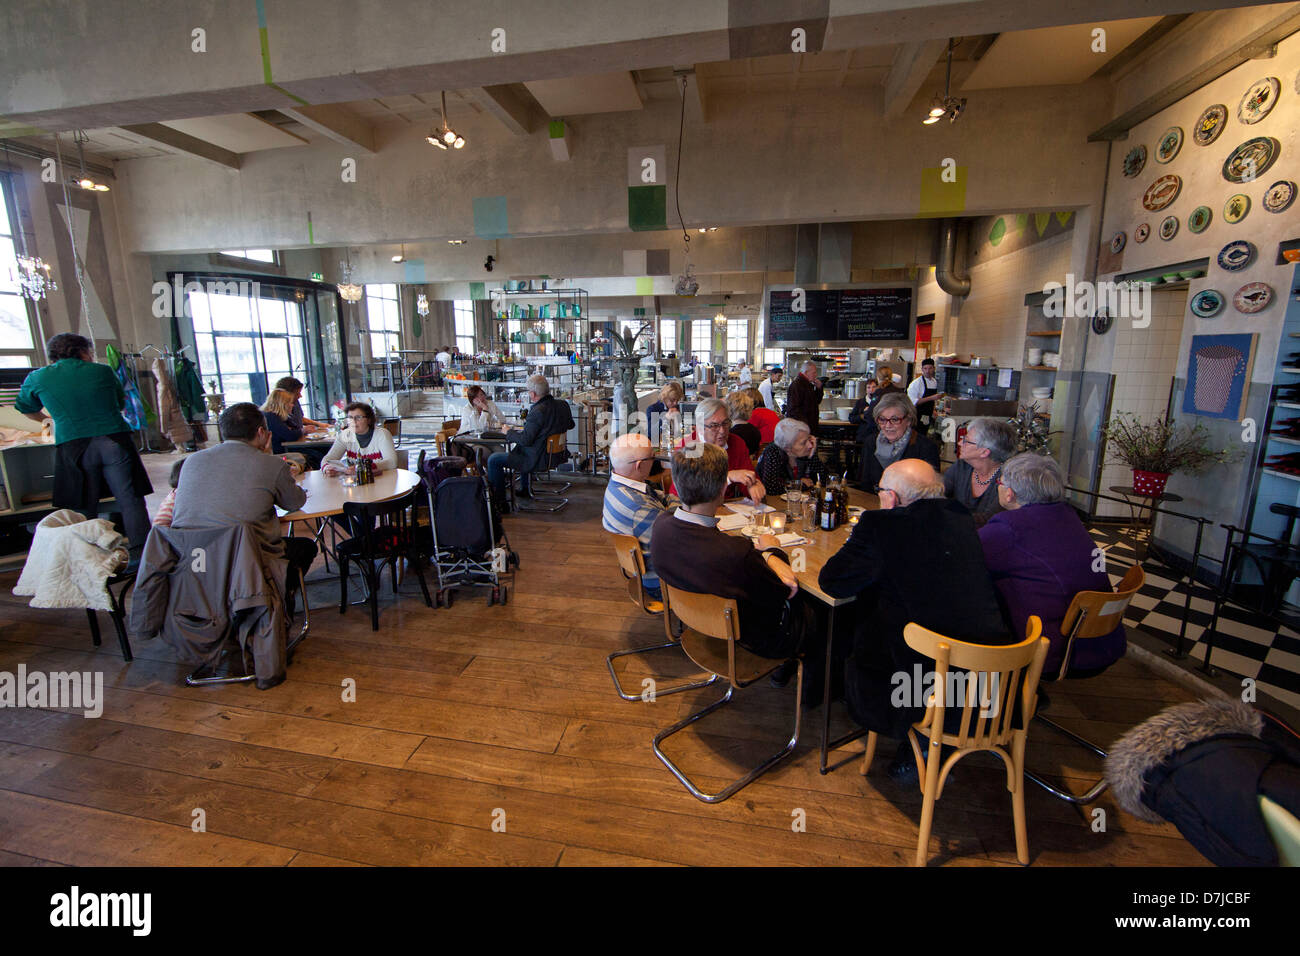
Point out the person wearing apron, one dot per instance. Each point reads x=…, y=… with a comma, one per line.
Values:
x=923, y=392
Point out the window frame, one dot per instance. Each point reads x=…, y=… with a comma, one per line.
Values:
x=463, y=311
x=34, y=355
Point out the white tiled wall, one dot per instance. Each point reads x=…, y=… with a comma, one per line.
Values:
x=1144, y=366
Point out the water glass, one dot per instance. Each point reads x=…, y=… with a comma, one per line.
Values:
x=809, y=514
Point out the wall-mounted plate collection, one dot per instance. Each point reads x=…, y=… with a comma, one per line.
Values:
x=1168, y=227
x=1161, y=193
x=1210, y=124
x=1258, y=100
x=1236, y=256
x=1251, y=159
x=1117, y=242
x=1253, y=297
x=1207, y=303
x=1134, y=160
x=1170, y=142
x=1141, y=232
x=1199, y=220
x=1279, y=196
x=1236, y=208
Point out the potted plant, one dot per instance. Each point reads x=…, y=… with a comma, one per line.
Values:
x=1155, y=450
x=626, y=361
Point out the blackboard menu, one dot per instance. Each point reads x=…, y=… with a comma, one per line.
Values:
x=839, y=316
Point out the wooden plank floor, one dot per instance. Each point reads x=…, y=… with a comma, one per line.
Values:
x=470, y=716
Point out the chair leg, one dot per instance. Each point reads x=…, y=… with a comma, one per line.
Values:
x=748, y=778
x=374, y=597
x=1018, y=797
x=930, y=791
x=94, y=626
x=658, y=691
x=1095, y=791
x=120, y=624
x=416, y=561
x=867, y=757
x=343, y=583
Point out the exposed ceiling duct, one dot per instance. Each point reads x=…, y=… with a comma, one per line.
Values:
x=945, y=270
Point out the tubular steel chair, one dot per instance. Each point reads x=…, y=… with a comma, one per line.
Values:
x=554, y=446
x=1091, y=614
x=997, y=679
x=710, y=639
x=193, y=680
x=632, y=563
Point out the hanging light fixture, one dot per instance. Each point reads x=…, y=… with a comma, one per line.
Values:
x=444, y=136
x=85, y=182
x=422, y=304
x=720, y=320
x=401, y=256
x=33, y=277
x=947, y=104
x=350, y=291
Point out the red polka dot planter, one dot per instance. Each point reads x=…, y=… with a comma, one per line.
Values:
x=1150, y=483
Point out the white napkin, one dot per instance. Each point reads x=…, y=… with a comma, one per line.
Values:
x=748, y=508
x=790, y=539
x=732, y=522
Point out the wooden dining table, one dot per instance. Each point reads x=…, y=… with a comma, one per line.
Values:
x=815, y=553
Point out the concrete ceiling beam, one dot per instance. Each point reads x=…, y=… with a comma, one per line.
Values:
x=336, y=123
x=512, y=104
x=912, y=64
x=191, y=145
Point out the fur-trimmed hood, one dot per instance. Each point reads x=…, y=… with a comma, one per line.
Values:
x=1153, y=742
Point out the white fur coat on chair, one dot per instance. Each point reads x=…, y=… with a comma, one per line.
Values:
x=69, y=561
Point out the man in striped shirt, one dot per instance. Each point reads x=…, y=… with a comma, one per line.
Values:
x=631, y=504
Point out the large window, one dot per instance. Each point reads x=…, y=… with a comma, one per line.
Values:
x=667, y=336
x=17, y=346
x=702, y=338
x=254, y=255
x=464, y=309
x=737, y=340
x=382, y=319
x=248, y=343
x=773, y=357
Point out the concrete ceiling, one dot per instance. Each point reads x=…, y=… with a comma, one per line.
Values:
x=237, y=132
x=579, y=95
x=1052, y=56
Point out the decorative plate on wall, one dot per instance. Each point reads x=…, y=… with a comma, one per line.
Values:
x=1161, y=193
x=1207, y=303
x=1259, y=99
x=1135, y=159
x=1101, y=322
x=1200, y=218
x=1279, y=196
x=1235, y=256
x=1235, y=209
x=1117, y=243
x=1249, y=161
x=1141, y=232
x=1253, y=297
x=1170, y=142
x=1168, y=227
x=1210, y=124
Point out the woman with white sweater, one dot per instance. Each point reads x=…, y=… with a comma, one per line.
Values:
x=361, y=440
x=481, y=413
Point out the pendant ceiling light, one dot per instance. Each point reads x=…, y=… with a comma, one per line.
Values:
x=947, y=104
x=685, y=284
x=33, y=277
x=84, y=181
x=401, y=256
x=350, y=291
x=422, y=304
x=444, y=136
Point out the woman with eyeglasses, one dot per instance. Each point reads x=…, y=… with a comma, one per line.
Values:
x=895, y=438
x=791, y=459
x=972, y=479
x=713, y=425
x=361, y=439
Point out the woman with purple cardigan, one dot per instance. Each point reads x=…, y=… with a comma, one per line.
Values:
x=1040, y=556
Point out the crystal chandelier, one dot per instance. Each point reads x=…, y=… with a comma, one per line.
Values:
x=350, y=291
x=422, y=304
x=34, y=277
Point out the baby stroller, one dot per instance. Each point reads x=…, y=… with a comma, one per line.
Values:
x=470, y=547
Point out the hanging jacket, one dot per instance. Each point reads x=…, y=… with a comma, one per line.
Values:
x=135, y=412
x=69, y=561
x=190, y=390
x=196, y=585
x=171, y=421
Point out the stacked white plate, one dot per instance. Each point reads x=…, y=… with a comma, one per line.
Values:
x=1041, y=392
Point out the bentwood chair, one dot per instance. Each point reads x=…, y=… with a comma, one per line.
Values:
x=710, y=638
x=999, y=685
x=124, y=580
x=632, y=563
x=382, y=533
x=1091, y=614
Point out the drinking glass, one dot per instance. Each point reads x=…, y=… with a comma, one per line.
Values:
x=809, y=514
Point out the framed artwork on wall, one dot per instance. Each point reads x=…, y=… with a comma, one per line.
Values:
x=1218, y=375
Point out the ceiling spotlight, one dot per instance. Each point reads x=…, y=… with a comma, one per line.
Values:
x=708, y=228
x=456, y=242
x=444, y=136
x=85, y=182
x=947, y=104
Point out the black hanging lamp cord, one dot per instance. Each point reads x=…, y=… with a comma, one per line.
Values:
x=677, y=173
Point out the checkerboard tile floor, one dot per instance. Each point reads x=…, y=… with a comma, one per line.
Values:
x=1248, y=644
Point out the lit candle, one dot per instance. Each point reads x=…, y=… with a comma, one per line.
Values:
x=777, y=520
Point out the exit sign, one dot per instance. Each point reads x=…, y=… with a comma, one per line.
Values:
x=317, y=277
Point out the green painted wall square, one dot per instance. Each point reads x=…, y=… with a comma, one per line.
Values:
x=478, y=290
x=647, y=208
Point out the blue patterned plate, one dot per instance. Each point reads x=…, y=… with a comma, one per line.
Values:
x=1207, y=303
x=1236, y=255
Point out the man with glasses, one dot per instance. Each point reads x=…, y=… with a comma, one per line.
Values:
x=713, y=425
x=631, y=503
x=547, y=416
x=895, y=438
x=918, y=559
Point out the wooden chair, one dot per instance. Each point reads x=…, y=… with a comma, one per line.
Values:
x=711, y=629
x=632, y=563
x=1283, y=829
x=1008, y=677
x=394, y=428
x=440, y=440
x=550, y=503
x=1090, y=615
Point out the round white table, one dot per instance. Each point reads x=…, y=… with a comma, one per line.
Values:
x=326, y=495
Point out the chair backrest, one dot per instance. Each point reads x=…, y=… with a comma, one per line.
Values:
x=632, y=563
x=555, y=443
x=706, y=614
x=451, y=424
x=1097, y=613
x=997, y=679
x=380, y=525
x=394, y=426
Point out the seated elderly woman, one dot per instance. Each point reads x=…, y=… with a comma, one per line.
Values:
x=664, y=415
x=740, y=406
x=895, y=437
x=790, y=459
x=972, y=479
x=1040, y=556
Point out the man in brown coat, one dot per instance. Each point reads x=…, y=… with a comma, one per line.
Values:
x=804, y=396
